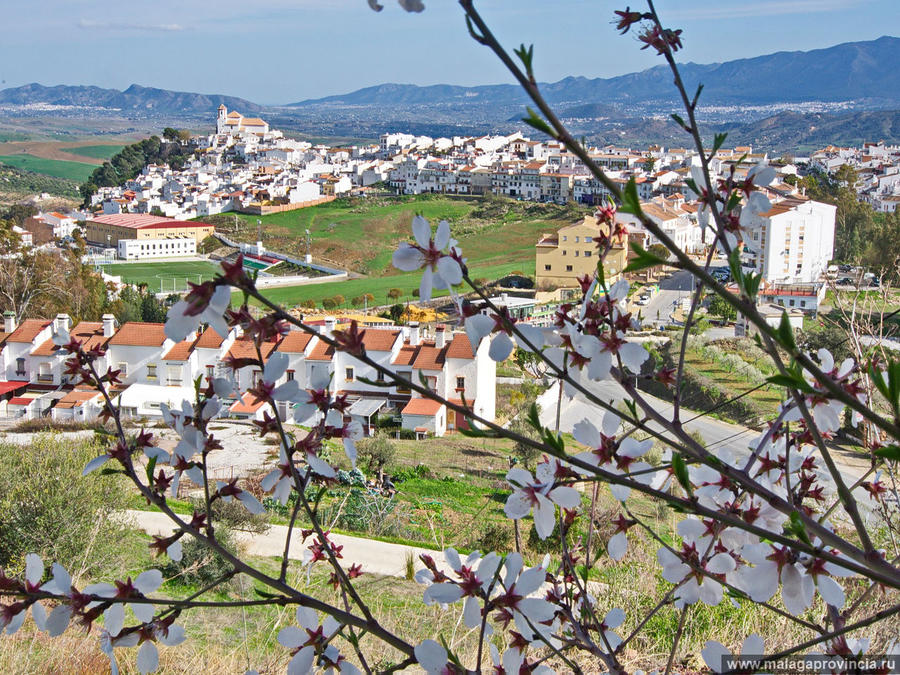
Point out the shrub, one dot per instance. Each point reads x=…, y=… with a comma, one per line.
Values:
x=199, y=565
x=494, y=536
x=235, y=516
x=49, y=508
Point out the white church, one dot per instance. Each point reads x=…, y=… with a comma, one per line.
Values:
x=233, y=123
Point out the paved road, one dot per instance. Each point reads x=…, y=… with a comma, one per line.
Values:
x=717, y=434
x=376, y=557
x=671, y=291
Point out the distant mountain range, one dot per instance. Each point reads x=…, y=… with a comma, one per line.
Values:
x=849, y=71
x=134, y=99
x=781, y=101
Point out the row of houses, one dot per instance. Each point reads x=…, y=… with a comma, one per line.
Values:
x=877, y=166
x=154, y=370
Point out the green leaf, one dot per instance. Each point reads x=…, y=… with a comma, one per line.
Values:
x=642, y=260
x=601, y=275
x=786, y=333
x=680, y=122
x=151, y=465
x=891, y=452
x=375, y=383
x=697, y=96
x=792, y=379
x=681, y=473
x=474, y=432
x=718, y=141
x=526, y=56
x=534, y=120
x=795, y=526
x=631, y=203
x=734, y=264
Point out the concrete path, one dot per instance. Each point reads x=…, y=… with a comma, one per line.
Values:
x=376, y=557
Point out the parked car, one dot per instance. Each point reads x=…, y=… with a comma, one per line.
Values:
x=845, y=268
x=875, y=281
x=845, y=281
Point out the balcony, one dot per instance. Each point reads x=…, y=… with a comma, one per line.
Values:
x=45, y=378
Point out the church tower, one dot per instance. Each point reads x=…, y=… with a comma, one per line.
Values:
x=220, y=120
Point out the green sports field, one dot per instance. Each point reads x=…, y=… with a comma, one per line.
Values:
x=77, y=171
x=162, y=277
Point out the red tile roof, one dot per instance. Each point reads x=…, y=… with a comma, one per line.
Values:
x=245, y=348
x=422, y=406
x=138, y=221
x=460, y=347
x=321, y=352
x=429, y=358
x=89, y=333
x=27, y=330
x=11, y=385
x=295, y=342
x=181, y=352
x=405, y=356
x=247, y=404
x=77, y=397
x=139, y=334
x=210, y=339
x=377, y=340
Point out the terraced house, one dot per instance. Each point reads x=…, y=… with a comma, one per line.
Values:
x=155, y=371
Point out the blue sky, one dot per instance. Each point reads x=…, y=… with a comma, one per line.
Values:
x=281, y=51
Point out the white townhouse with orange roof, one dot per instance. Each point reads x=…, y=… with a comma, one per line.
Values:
x=154, y=370
x=234, y=123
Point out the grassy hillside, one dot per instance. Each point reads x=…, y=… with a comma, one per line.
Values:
x=76, y=171
x=362, y=234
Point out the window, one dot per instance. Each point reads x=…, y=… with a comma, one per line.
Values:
x=568, y=268
x=210, y=372
x=588, y=240
x=406, y=375
x=460, y=383
x=348, y=374
x=546, y=268
x=123, y=367
x=20, y=366
x=564, y=251
x=290, y=375
x=151, y=371
x=173, y=374
x=257, y=376
x=577, y=239
x=587, y=254
x=565, y=238
x=44, y=373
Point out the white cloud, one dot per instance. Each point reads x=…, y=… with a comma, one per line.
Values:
x=744, y=10
x=121, y=25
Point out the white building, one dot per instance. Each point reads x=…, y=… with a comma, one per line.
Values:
x=140, y=249
x=796, y=241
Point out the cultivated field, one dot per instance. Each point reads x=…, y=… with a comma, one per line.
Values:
x=77, y=171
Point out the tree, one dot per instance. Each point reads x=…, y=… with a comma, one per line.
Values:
x=394, y=294
x=649, y=164
x=720, y=308
x=376, y=453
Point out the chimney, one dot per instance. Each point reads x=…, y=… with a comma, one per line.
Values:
x=330, y=323
x=109, y=325
x=440, y=336
x=62, y=323
x=9, y=322
x=413, y=333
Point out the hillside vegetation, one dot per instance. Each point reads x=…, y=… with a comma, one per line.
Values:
x=361, y=234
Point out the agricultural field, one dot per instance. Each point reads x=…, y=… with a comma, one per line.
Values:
x=75, y=171
x=94, y=151
x=361, y=235
x=161, y=277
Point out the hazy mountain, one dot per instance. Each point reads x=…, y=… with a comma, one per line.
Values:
x=134, y=99
x=853, y=70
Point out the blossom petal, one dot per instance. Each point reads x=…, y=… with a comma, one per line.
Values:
x=714, y=654
x=617, y=546
x=149, y=581
x=442, y=236
x=58, y=620
x=421, y=231
x=407, y=258
x=34, y=569
x=94, y=464
x=431, y=656
x=114, y=619
x=443, y=594
x=501, y=347
x=291, y=637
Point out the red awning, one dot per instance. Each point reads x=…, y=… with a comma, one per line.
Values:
x=12, y=385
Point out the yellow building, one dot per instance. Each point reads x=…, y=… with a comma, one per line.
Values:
x=572, y=252
x=107, y=230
